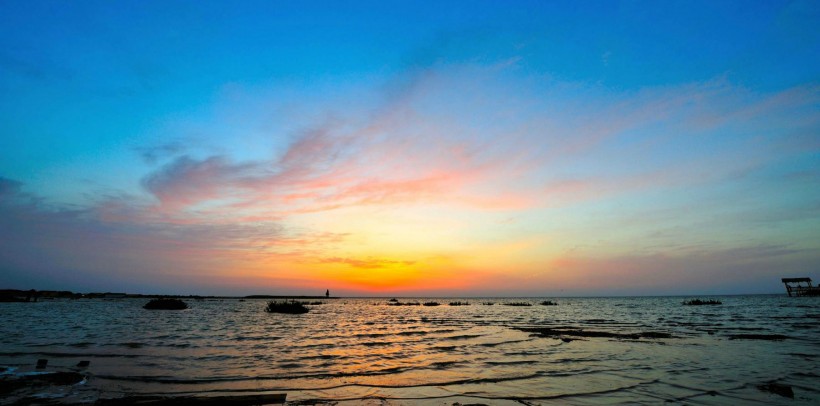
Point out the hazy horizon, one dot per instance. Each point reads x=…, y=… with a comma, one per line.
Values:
x=378, y=149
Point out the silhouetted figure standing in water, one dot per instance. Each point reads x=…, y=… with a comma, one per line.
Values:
x=32, y=294
x=327, y=293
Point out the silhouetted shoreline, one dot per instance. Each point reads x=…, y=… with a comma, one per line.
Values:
x=18, y=295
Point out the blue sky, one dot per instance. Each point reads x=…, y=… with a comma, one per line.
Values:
x=567, y=141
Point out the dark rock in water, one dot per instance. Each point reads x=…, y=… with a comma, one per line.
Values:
x=58, y=378
x=518, y=304
x=564, y=333
x=778, y=389
x=699, y=302
x=165, y=304
x=397, y=303
x=8, y=385
x=769, y=337
x=285, y=307
x=41, y=363
x=83, y=364
x=655, y=334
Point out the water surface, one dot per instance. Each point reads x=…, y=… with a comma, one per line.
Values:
x=353, y=350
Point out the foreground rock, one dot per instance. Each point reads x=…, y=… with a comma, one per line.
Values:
x=12, y=383
x=778, y=389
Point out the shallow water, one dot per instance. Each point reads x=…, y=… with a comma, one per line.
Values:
x=352, y=350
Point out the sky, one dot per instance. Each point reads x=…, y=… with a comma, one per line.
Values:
x=456, y=148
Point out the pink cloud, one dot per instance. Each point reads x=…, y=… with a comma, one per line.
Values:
x=187, y=181
x=408, y=154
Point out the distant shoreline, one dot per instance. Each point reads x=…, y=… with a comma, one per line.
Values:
x=14, y=295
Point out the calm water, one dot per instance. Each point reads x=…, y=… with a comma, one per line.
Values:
x=355, y=350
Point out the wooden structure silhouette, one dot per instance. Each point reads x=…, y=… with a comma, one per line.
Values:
x=795, y=287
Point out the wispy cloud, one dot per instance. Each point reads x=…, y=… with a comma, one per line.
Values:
x=452, y=137
x=187, y=181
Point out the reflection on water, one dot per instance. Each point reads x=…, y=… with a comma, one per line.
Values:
x=349, y=349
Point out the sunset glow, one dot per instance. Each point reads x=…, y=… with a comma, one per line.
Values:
x=493, y=149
